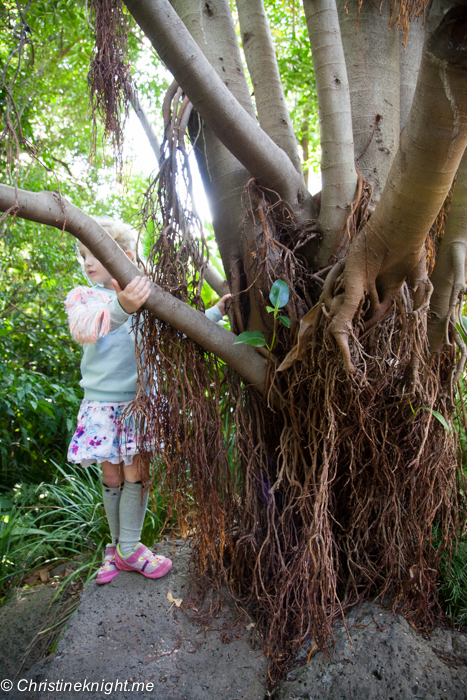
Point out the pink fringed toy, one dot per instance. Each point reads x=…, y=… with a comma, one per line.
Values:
x=86, y=326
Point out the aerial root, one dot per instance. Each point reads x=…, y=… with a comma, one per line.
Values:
x=304, y=506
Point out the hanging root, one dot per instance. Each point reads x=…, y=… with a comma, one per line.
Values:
x=344, y=503
x=109, y=75
x=330, y=488
x=403, y=12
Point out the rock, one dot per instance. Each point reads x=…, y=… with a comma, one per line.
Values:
x=385, y=660
x=131, y=632
x=21, y=618
x=128, y=631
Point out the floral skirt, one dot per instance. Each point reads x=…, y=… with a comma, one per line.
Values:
x=102, y=436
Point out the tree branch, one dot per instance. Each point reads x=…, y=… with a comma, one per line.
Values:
x=338, y=173
x=372, y=60
x=146, y=124
x=224, y=177
x=449, y=273
x=218, y=107
x=212, y=27
x=261, y=59
x=409, y=63
x=51, y=209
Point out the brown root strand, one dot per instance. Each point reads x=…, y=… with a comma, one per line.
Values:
x=339, y=488
x=109, y=74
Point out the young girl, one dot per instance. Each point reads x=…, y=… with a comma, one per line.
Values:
x=100, y=318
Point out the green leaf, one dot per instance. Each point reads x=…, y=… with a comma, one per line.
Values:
x=463, y=329
x=441, y=418
x=279, y=294
x=436, y=414
x=5, y=503
x=254, y=338
x=285, y=320
x=270, y=310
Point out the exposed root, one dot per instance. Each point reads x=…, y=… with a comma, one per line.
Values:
x=302, y=505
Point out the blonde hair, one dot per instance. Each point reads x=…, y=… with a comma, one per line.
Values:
x=123, y=234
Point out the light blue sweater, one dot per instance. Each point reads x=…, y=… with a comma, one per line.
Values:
x=108, y=366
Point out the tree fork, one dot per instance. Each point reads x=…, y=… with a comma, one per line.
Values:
x=218, y=107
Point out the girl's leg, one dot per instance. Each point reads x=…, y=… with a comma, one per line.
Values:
x=112, y=484
x=131, y=555
x=133, y=504
x=138, y=471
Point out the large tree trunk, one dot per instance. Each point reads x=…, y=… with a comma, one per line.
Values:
x=433, y=142
x=334, y=487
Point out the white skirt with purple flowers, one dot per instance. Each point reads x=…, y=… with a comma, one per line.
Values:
x=102, y=436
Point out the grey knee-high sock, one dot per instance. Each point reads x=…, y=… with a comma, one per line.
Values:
x=133, y=504
x=111, y=499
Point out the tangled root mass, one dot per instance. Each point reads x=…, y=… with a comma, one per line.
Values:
x=327, y=489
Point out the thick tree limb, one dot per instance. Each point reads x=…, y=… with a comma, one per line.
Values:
x=216, y=281
x=261, y=59
x=449, y=273
x=372, y=60
x=218, y=107
x=51, y=209
x=211, y=26
x=389, y=248
x=224, y=177
x=409, y=64
x=338, y=172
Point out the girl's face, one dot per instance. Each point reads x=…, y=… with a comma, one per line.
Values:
x=93, y=268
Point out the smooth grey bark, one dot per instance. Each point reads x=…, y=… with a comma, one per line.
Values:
x=449, y=273
x=211, y=25
x=261, y=59
x=339, y=178
x=51, y=209
x=372, y=59
x=431, y=147
x=409, y=65
x=216, y=281
x=216, y=104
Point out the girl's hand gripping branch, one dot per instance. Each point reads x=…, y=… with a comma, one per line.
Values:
x=221, y=304
x=134, y=295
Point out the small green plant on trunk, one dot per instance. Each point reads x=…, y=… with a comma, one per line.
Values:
x=278, y=296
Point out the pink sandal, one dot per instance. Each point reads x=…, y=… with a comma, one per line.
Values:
x=108, y=570
x=144, y=561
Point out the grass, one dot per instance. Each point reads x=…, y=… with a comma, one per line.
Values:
x=453, y=586
x=48, y=523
